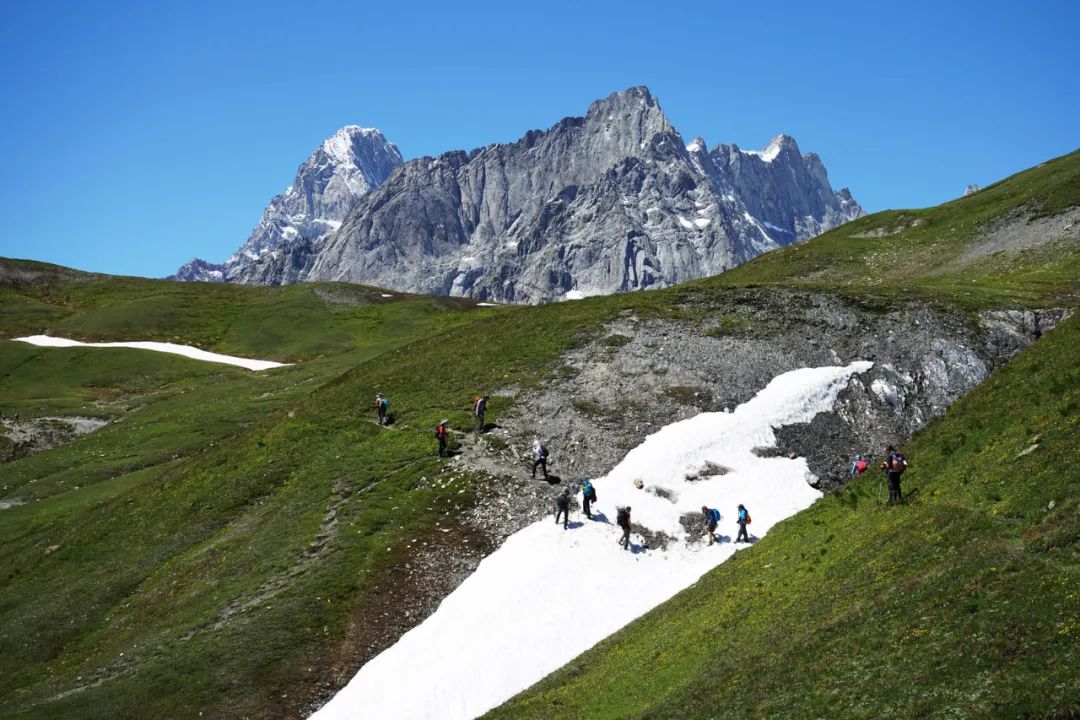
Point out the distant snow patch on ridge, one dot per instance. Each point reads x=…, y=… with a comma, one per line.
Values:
x=548, y=594
x=185, y=350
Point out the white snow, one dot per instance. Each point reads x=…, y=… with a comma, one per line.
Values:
x=549, y=594
x=753, y=221
x=695, y=145
x=575, y=295
x=685, y=223
x=386, y=295
x=702, y=223
x=185, y=350
x=482, y=304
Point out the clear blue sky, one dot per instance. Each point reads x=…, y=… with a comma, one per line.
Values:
x=136, y=135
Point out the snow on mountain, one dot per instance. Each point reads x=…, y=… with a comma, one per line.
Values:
x=608, y=202
x=548, y=594
x=345, y=166
x=186, y=350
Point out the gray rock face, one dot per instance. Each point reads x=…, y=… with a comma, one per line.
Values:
x=608, y=202
x=347, y=165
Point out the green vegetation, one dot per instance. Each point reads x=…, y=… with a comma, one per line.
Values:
x=938, y=254
x=220, y=546
x=964, y=602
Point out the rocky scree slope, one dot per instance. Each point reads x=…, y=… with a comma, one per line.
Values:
x=345, y=166
x=608, y=202
x=647, y=370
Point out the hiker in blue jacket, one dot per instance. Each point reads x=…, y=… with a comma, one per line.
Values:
x=743, y=520
x=588, y=496
x=712, y=517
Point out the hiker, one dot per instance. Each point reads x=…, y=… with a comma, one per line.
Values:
x=381, y=406
x=441, y=434
x=743, y=520
x=622, y=517
x=894, y=466
x=712, y=517
x=479, y=408
x=540, y=456
x=562, y=507
x=588, y=496
x=858, y=466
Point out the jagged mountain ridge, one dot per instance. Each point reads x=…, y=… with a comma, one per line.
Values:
x=345, y=166
x=608, y=202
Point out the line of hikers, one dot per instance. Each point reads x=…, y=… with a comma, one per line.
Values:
x=893, y=466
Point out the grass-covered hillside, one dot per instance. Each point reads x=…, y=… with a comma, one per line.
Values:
x=236, y=544
x=1016, y=241
x=963, y=602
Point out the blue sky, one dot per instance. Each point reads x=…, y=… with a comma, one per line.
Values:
x=136, y=135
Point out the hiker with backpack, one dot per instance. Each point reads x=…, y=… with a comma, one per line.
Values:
x=562, y=507
x=442, y=434
x=858, y=466
x=540, y=456
x=622, y=518
x=743, y=520
x=479, y=408
x=712, y=518
x=894, y=466
x=588, y=496
x=381, y=406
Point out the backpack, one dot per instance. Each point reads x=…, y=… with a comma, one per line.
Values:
x=592, y=493
x=748, y=518
x=897, y=463
x=623, y=518
x=714, y=515
x=440, y=431
x=385, y=404
x=478, y=405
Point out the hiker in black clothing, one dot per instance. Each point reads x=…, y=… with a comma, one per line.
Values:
x=540, y=456
x=712, y=517
x=562, y=507
x=381, y=405
x=479, y=408
x=893, y=466
x=441, y=434
x=623, y=520
x=743, y=520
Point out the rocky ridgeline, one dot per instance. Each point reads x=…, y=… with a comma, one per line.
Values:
x=609, y=202
x=348, y=164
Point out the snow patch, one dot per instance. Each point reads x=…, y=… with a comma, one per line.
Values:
x=702, y=223
x=685, y=223
x=549, y=594
x=575, y=295
x=185, y=350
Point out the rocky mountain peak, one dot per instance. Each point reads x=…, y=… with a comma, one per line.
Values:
x=344, y=167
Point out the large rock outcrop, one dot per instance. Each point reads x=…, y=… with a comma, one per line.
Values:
x=607, y=202
x=345, y=166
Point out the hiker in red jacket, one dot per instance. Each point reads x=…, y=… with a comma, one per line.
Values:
x=441, y=434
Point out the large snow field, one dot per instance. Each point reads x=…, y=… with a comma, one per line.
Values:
x=185, y=350
x=548, y=594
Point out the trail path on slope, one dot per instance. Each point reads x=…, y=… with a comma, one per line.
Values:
x=185, y=350
x=548, y=594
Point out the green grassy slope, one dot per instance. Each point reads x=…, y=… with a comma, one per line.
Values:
x=200, y=582
x=930, y=253
x=964, y=602
x=232, y=530
x=296, y=322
